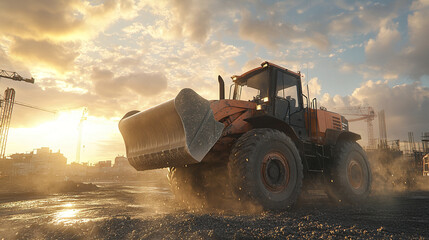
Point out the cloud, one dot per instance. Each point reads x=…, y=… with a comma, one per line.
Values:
x=381, y=48
x=58, y=56
x=9, y=64
x=405, y=105
x=272, y=33
x=363, y=18
x=252, y=63
x=50, y=31
x=314, y=87
x=60, y=19
x=144, y=84
x=346, y=68
x=387, y=53
x=39, y=19
x=417, y=53
x=183, y=18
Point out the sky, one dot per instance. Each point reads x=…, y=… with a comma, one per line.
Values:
x=114, y=56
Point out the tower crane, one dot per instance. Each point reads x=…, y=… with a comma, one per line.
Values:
x=7, y=107
x=362, y=113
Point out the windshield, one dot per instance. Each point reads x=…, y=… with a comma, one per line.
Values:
x=255, y=86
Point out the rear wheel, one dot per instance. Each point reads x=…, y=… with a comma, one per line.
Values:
x=265, y=167
x=351, y=174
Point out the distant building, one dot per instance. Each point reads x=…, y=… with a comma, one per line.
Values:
x=43, y=162
x=103, y=167
x=104, y=164
x=77, y=170
x=40, y=161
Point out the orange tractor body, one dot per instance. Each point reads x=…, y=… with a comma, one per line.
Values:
x=266, y=107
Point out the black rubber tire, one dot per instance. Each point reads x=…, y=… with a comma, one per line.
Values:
x=185, y=184
x=199, y=185
x=340, y=188
x=245, y=169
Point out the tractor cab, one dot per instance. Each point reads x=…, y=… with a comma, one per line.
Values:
x=277, y=92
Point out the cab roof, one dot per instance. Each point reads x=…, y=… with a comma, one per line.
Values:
x=265, y=64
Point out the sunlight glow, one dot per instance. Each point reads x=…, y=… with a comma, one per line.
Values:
x=65, y=216
x=61, y=134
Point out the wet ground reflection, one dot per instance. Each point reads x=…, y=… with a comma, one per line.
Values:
x=110, y=200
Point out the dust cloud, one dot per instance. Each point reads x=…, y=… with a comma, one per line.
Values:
x=41, y=185
x=395, y=173
x=206, y=189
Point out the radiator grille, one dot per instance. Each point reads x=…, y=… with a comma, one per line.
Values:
x=336, y=122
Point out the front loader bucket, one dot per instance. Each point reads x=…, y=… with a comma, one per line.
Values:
x=175, y=133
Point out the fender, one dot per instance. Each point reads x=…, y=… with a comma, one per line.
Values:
x=266, y=121
x=332, y=136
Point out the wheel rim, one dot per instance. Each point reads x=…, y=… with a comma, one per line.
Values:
x=275, y=172
x=355, y=174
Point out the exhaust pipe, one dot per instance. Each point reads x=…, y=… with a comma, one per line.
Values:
x=221, y=87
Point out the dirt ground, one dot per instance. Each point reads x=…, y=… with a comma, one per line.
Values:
x=399, y=217
x=132, y=211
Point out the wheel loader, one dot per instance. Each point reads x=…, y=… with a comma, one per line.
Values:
x=267, y=142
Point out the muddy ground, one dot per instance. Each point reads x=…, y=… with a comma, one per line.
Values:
x=147, y=210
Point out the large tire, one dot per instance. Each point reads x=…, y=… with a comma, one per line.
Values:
x=185, y=184
x=351, y=176
x=265, y=167
x=200, y=185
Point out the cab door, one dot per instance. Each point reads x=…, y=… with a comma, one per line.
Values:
x=288, y=105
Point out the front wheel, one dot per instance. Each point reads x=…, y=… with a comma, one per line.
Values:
x=186, y=185
x=350, y=174
x=200, y=185
x=265, y=167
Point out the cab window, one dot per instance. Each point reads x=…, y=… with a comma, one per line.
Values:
x=287, y=88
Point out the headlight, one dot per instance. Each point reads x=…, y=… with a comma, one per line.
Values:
x=258, y=107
